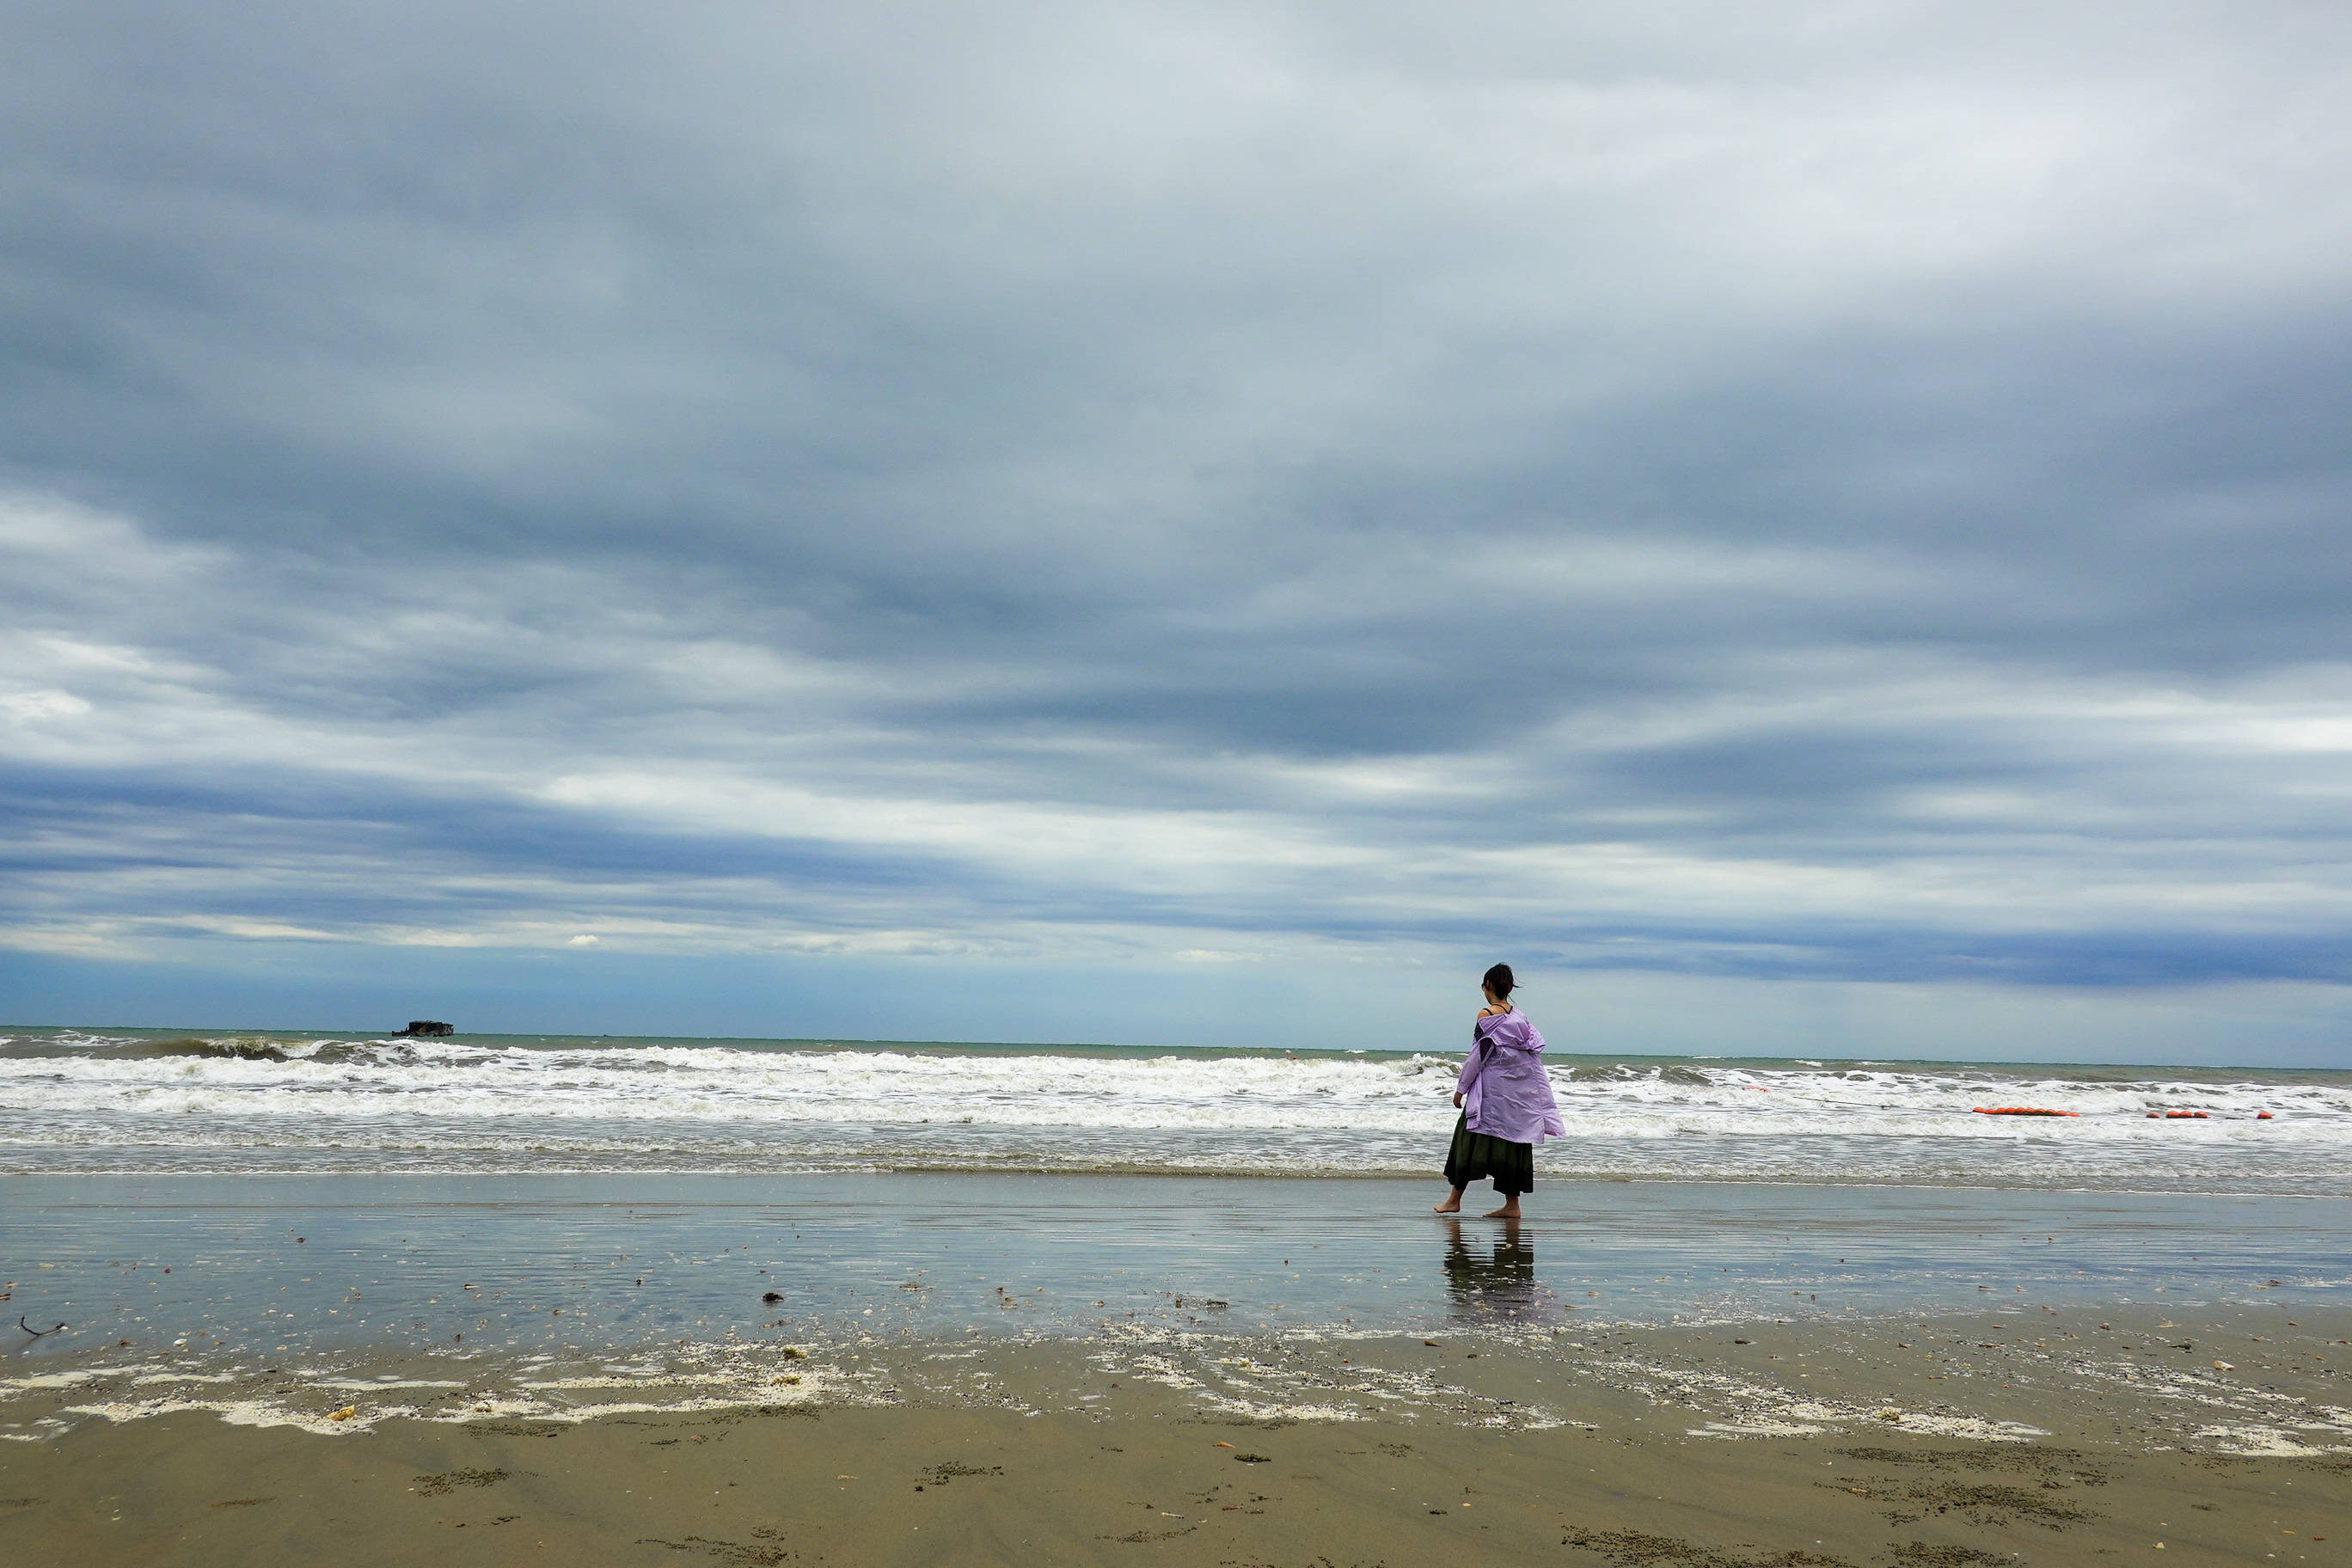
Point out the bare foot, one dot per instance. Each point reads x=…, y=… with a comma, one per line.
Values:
x=1508, y=1211
x=1451, y=1205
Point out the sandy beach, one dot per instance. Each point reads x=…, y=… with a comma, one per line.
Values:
x=2004, y=1439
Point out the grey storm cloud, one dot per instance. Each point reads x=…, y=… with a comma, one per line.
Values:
x=1839, y=491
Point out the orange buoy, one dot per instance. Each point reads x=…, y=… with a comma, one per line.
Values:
x=2019, y=1110
x=2262, y=1116
x=2184, y=1116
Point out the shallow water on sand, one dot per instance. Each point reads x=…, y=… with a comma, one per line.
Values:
x=256, y=1266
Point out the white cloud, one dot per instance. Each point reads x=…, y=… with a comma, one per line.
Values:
x=1852, y=490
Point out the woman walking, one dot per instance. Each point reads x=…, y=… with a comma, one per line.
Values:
x=1505, y=1099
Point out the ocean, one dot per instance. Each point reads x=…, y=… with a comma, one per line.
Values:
x=146, y=1102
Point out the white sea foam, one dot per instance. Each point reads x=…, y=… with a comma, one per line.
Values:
x=709, y=1377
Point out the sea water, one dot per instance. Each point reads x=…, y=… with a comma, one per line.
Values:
x=144, y=1101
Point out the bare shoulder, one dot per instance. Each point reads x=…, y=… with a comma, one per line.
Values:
x=1491, y=1012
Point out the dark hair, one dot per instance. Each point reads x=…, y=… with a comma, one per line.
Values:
x=1498, y=980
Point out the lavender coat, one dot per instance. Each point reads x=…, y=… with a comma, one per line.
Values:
x=1505, y=1093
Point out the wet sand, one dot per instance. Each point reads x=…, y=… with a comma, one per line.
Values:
x=1237, y=1375
x=2023, y=1436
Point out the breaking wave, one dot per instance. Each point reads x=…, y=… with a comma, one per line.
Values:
x=87, y=1100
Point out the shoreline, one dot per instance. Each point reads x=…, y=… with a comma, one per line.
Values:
x=2191, y=1377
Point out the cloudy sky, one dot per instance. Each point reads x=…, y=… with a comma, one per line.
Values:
x=1807, y=527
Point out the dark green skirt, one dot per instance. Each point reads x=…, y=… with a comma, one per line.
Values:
x=1474, y=1155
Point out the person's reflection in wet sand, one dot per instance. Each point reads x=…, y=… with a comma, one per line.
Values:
x=1500, y=1287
